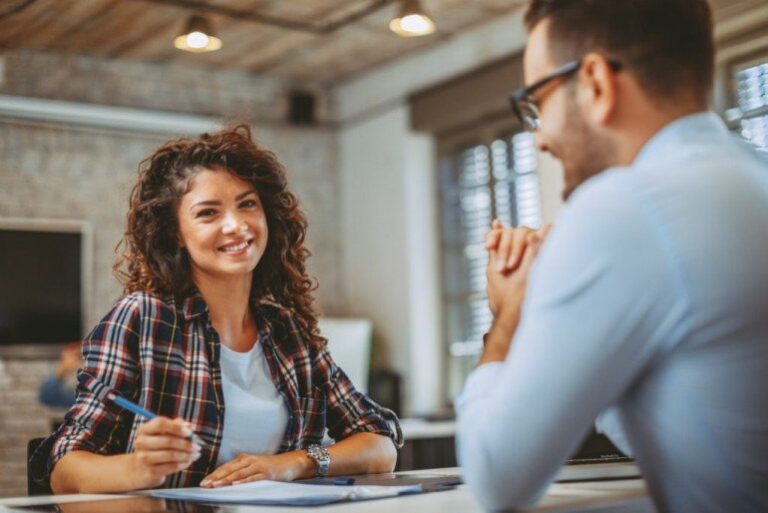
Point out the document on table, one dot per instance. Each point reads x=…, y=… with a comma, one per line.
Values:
x=276, y=493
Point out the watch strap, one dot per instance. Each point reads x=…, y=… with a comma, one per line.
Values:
x=321, y=457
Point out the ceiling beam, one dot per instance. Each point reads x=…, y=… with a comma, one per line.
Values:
x=274, y=21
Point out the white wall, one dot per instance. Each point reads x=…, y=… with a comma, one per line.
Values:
x=387, y=86
x=550, y=173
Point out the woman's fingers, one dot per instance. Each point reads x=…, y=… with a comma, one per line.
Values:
x=225, y=470
x=162, y=446
x=254, y=477
x=238, y=475
x=163, y=457
x=162, y=432
x=165, y=426
x=165, y=442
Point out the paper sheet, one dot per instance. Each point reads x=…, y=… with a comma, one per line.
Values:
x=275, y=492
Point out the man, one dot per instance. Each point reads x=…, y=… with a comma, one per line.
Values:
x=648, y=301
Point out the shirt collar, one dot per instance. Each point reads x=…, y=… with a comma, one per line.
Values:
x=694, y=127
x=194, y=305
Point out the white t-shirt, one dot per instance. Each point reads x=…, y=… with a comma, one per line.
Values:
x=255, y=416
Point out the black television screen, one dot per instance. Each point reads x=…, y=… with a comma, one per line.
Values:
x=40, y=287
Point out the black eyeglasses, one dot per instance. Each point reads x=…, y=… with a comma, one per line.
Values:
x=524, y=104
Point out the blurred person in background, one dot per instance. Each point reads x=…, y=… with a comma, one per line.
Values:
x=58, y=389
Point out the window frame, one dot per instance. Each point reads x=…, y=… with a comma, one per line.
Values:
x=449, y=146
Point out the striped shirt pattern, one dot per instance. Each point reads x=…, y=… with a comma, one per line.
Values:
x=164, y=356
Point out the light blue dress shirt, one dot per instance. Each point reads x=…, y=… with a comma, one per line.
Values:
x=648, y=302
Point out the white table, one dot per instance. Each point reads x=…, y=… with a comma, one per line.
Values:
x=621, y=496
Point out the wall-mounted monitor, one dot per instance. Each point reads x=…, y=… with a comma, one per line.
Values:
x=45, y=281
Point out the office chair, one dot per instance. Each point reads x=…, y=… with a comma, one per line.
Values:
x=36, y=466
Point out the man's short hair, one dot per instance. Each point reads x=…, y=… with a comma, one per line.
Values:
x=666, y=44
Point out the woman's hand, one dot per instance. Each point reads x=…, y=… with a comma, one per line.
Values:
x=162, y=447
x=254, y=467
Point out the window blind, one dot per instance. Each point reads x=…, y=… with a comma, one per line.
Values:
x=481, y=182
x=752, y=99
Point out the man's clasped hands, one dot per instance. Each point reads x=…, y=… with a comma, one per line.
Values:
x=511, y=253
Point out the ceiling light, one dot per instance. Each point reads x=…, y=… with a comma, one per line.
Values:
x=412, y=21
x=197, y=36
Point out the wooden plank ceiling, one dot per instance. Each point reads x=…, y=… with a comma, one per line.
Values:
x=144, y=30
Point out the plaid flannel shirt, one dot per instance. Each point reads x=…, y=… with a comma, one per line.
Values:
x=166, y=359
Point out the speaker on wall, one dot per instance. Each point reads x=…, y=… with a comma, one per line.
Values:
x=302, y=108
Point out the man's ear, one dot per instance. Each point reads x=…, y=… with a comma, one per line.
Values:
x=599, y=88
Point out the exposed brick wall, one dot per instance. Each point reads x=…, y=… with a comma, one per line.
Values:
x=58, y=171
x=21, y=419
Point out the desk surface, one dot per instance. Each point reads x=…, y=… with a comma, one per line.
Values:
x=627, y=496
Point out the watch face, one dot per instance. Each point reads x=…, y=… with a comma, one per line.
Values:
x=323, y=455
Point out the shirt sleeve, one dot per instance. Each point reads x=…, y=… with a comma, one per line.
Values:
x=609, y=424
x=110, y=354
x=599, y=308
x=348, y=410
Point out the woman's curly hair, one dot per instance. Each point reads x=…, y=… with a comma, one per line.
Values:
x=151, y=260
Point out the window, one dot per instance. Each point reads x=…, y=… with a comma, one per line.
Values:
x=751, y=82
x=478, y=183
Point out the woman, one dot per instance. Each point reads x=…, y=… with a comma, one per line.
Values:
x=216, y=334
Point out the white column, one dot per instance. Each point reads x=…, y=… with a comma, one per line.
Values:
x=389, y=242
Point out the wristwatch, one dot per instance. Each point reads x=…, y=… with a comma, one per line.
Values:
x=322, y=457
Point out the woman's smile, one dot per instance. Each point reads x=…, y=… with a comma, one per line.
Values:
x=237, y=248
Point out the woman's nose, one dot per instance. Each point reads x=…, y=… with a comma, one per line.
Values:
x=233, y=224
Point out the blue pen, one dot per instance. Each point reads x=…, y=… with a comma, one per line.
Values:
x=343, y=481
x=335, y=481
x=138, y=410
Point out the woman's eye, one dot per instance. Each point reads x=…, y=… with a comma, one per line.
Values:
x=248, y=204
x=208, y=212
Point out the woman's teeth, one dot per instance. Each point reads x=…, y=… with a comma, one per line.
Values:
x=235, y=248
